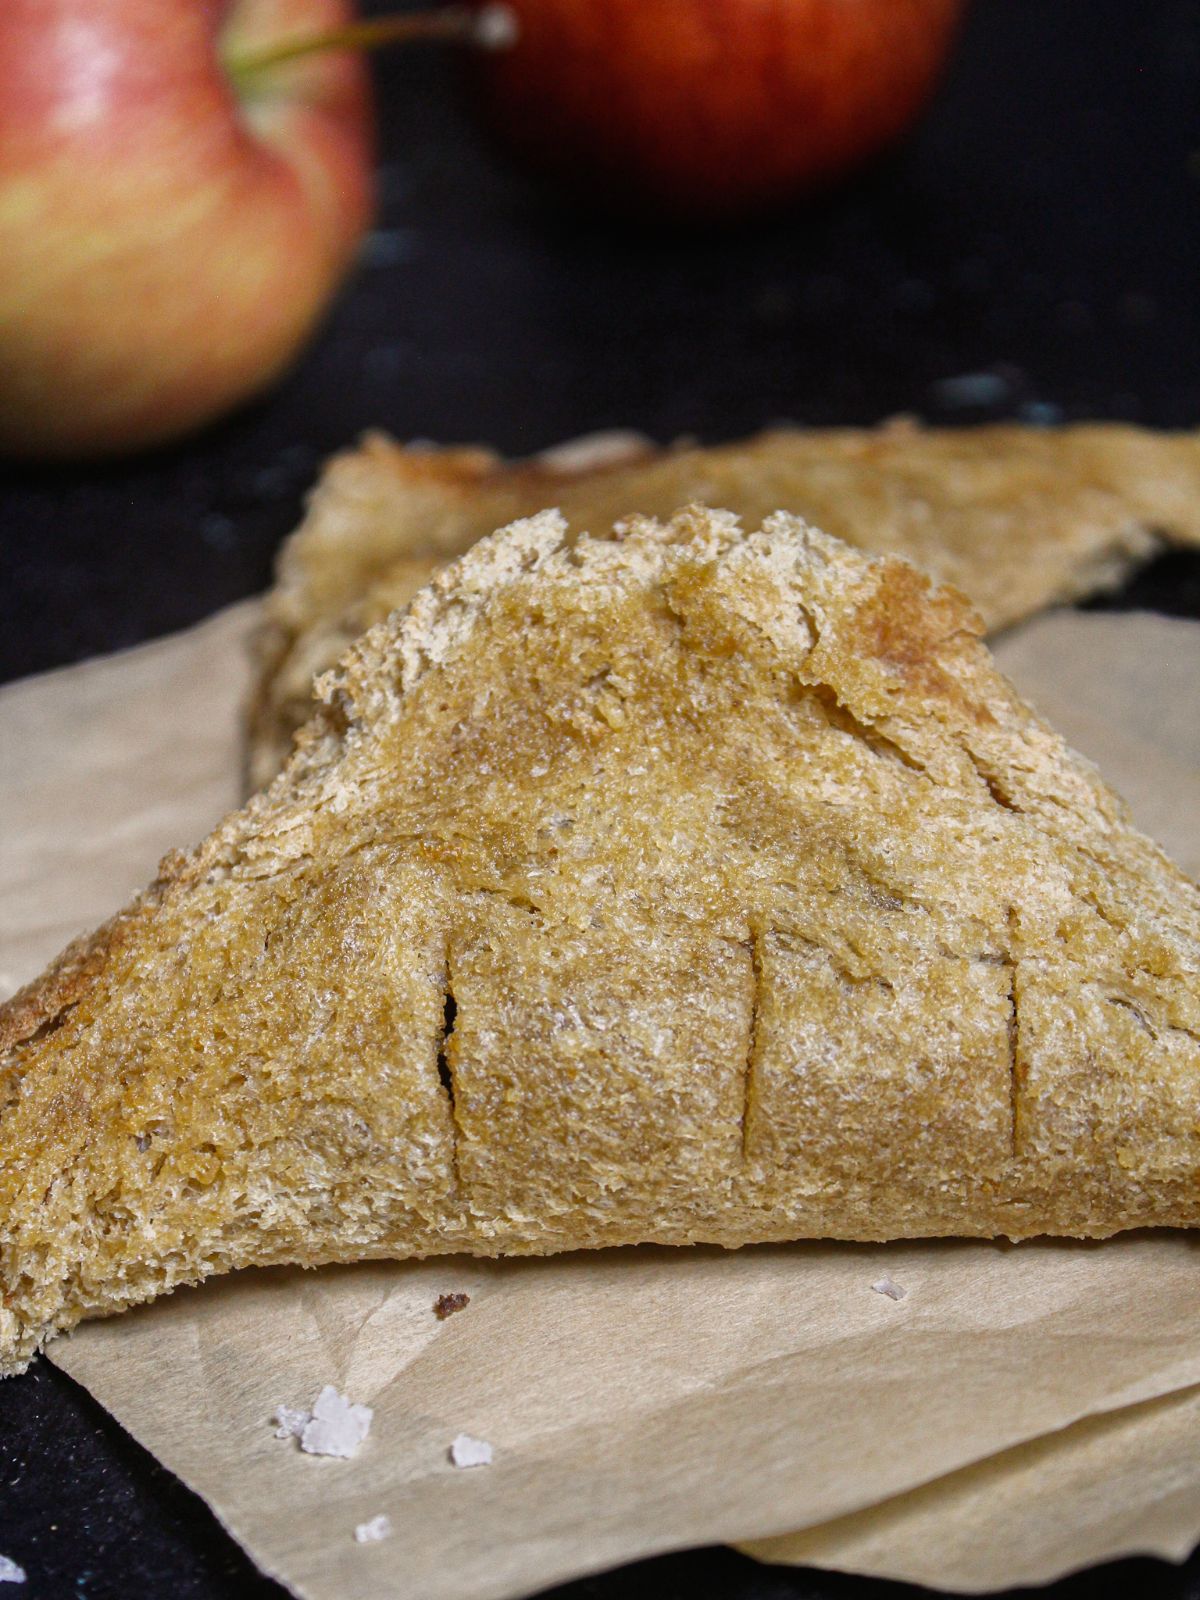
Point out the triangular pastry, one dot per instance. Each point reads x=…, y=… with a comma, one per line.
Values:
x=689, y=884
x=1018, y=518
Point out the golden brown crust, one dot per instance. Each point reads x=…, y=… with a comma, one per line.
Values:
x=380, y=522
x=43, y=1001
x=1018, y=518
x=766, y=908
x=50, y=994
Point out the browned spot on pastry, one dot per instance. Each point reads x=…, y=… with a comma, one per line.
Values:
x=910, y=627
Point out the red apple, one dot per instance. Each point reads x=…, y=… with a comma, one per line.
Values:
x=706, y=108
x=169, y=230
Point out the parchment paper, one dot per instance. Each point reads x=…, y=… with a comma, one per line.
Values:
x=647, y=1399
x=1123, y=1483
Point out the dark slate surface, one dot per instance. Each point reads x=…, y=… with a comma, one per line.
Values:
x=1043, y=228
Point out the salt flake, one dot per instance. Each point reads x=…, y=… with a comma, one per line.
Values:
x=372, y=1532
x=290, y=1421
x=336, y=1427
x=10, y=1572
x=887, y=1287
x=468, y=1452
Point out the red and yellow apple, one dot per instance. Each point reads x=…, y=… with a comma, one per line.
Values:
x=170, y=226
x=709, y=108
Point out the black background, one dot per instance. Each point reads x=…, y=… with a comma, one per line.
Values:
x=1043, y=227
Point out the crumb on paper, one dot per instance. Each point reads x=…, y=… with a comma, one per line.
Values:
x=886, y=1287
x=447, y=1304
x=372, y=1532
x=468, y=1452
x=10, y=1572
x=290, y=1421
x=334, y=1427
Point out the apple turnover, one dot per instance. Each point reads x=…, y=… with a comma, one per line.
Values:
x=686, y=884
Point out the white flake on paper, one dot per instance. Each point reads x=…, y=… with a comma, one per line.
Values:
x=468, y=1452
x=885, y=1286
x=334, y=1427
x=290, y=1421
x=337, y=1426
x=374, y=1531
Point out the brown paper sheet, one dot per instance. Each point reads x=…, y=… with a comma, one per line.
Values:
x=649, y=1399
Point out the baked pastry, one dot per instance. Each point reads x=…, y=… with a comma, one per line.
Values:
x=1018, y=518
x=690, y=884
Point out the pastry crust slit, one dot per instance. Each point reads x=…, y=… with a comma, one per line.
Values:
x=445, y=1065
x=1014, y=1037
x=752, y=1038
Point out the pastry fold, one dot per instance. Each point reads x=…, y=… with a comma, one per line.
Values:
x=1018, y=518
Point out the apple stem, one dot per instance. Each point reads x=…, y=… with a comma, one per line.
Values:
x=488, y=27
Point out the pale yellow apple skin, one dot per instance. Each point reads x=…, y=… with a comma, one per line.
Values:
x=166, y=243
